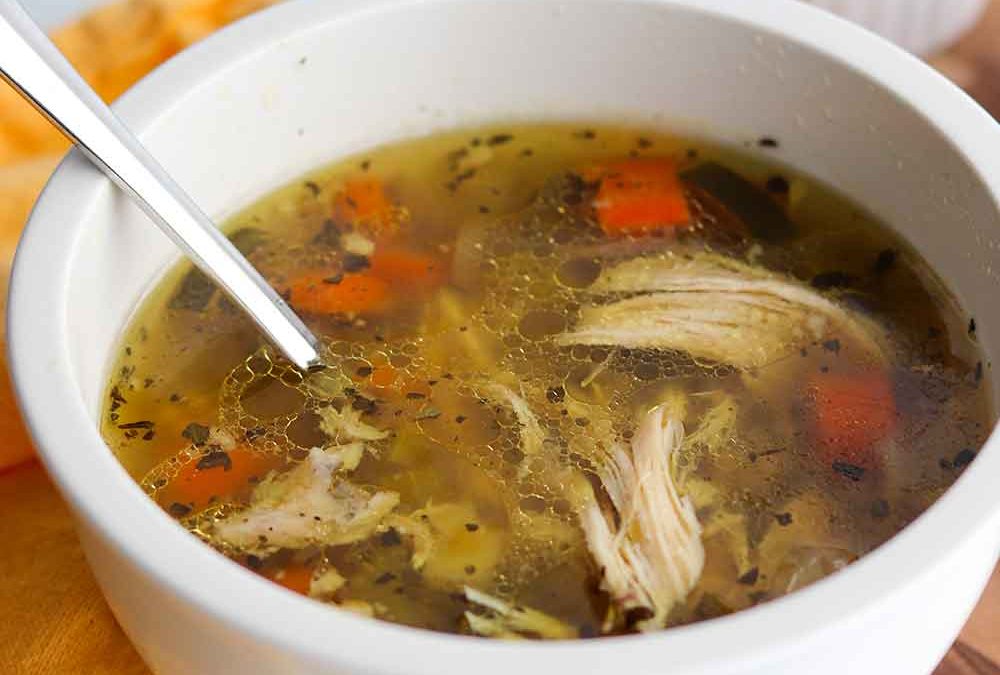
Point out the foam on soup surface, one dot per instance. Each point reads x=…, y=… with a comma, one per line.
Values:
x=579, y=382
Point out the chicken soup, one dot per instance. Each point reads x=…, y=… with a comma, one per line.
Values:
x=579, y=381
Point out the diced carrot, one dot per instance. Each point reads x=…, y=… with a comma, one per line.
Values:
x=853, y=413
x=200, y=482
x=317, y=293
x=415, y=270
x=639, y=196
x=295, y=577
x=383, y=376
x=364, y=201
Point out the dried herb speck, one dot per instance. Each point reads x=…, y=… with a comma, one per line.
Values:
x=141, y=424
x=777, y=185
x=848, y=470
x=355, y=263
x=964, y=458
x=885, y=261
x=215, y=459
x=749, y=578
x=499, y=139
x=196, y=433
x=390, y=538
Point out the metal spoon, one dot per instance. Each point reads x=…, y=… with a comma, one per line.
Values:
x=38, y=71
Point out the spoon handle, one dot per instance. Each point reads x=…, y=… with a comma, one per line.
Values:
x=38, y=71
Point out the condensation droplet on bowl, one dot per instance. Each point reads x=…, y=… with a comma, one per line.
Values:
x=743, y=69
x=800, y=120
x=758, y=40
x=827, y=80
x=779, y=72
x=828, y=113
x=900, y=164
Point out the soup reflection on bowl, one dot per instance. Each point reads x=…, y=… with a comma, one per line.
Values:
x=580, y=381
x=665, y=323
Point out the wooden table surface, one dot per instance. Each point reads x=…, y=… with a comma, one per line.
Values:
x=53, y=620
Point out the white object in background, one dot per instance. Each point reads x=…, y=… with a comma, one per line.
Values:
x=921, y=26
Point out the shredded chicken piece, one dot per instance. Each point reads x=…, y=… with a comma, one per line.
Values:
x=513, y=622
x=346, y=425
x=418, y=531
x=532, y=435
x=324, y=584
x=357, y=243
x=652, y=557
x=716, y=308
x=308, y=505
x=714, y=430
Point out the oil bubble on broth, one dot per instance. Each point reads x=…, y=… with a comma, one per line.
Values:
x=578, y=382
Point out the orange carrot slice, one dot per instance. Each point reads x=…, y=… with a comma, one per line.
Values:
x=364, y=201
x=317, y=293
x=639, y=196
x=295, y=577
x=399, y=267
x=853, y=413
x=217, y=476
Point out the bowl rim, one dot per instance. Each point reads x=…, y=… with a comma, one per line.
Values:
x=74, y=452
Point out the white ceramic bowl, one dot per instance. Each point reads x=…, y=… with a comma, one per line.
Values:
x=309, y=81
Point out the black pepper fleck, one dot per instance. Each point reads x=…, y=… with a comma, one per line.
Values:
x=178, y=510
x=777, y=185
x=390, y=538
x=215, y=459
x=885, y=261
x=848, y=470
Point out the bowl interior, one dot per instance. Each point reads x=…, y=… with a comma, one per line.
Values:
x=306, y=83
